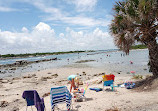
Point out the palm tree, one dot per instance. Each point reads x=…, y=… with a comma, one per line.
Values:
x=137, y=20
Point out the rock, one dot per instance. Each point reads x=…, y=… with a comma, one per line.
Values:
x=100, y=74
x=49, y=73
x=16, y=78
x=16, y=100
x=43, y=78
x=83, y=61
x=27, y=76
x=55, y=75
x=59, y=81
x=4, y=81
x=10, y=82
x=103, y=73
x=84, y=73
x=46, y=94
x=78, y=106
x=3, y=103
x=99, y=82
x=145, y=69
x=95, y=75
x=13, y=68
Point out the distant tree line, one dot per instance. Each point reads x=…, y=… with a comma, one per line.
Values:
x=40, y=54
x=139, y=46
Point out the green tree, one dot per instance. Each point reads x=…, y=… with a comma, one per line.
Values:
x=137, y=20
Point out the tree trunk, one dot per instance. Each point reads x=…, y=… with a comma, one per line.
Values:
x=153, y=56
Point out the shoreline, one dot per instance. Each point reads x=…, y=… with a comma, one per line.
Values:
x=40, y=54
x=100, y=60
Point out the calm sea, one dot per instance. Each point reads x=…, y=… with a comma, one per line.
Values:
x=110, y=60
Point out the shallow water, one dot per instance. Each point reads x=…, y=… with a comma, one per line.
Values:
x=110, y=61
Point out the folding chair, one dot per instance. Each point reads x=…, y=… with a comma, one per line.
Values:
x=32, y=99
x=108, y=80
x=108, y=83
x=60, y=95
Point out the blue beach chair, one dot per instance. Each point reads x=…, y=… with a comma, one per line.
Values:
x=60, y=95
x=108, y=83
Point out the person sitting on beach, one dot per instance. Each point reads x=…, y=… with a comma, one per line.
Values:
x=74, y=81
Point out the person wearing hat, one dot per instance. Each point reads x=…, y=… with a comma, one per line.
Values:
x=74, y=81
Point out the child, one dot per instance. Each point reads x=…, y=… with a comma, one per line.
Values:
x=74, y=81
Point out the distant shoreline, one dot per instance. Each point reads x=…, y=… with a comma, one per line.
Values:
x=15, y=56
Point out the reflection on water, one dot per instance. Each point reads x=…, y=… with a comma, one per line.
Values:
x=111, y=61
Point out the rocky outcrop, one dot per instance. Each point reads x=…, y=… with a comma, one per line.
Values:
x=23, y=63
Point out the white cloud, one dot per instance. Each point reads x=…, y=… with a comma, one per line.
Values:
x=83, y=5
x=43, y=39
x=6, y=9
x=81, y=21
x=24, y=29
x=42, y=27
x=61, y=35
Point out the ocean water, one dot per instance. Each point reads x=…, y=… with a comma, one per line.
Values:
x=111, y=61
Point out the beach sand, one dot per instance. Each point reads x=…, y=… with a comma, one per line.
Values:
x=123, y=99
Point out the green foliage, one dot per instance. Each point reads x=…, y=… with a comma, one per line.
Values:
x=139, y=47
x=40, y=54
x=134, y=20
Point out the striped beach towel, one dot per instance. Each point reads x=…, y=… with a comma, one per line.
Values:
x=60, y=95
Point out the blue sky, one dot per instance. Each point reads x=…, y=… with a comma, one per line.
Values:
x=29, y=26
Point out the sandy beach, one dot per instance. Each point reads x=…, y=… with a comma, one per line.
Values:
x=122, y=99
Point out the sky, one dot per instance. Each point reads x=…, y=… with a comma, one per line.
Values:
x=29, y=26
